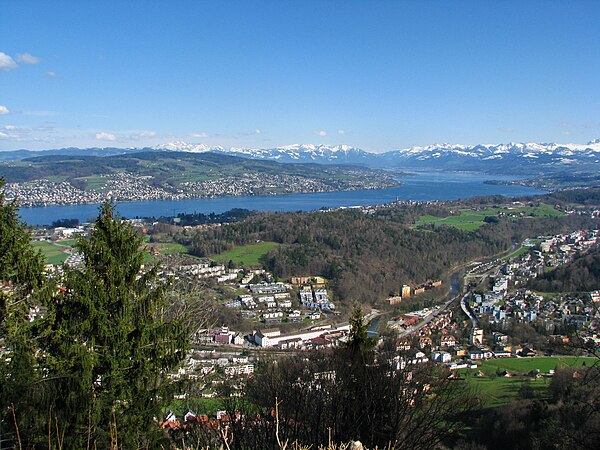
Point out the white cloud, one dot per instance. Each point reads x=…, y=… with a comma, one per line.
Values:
x=322, y=133
x=7, y=63
x=506, y=129
x=257, y=131
x=27, y=58
x=4, y=110
x=340, y=131
x=146, y=133
x=103, y=136
x=201, y=135
x=4, y=135
x=10, y=127
x=51, y=74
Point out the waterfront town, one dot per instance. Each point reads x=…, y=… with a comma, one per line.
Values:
x=125, y=186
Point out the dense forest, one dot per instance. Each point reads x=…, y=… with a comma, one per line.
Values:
x=369, y=256
x=582, y=274
x=192, y=219
x=579, y=196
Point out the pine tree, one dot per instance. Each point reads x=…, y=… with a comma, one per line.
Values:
x=21, y=278
x=359, y=339
x=110, y=343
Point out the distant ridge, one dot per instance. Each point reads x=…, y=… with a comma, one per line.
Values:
x=15, y=155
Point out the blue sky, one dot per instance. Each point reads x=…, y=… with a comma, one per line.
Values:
x=378, y=75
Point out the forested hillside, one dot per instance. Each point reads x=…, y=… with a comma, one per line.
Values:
x=583, y=274
x=369, y=256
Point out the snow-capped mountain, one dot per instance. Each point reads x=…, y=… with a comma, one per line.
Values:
x=512, y=157
x=182, y=146
x=324, y=154
x=501, y=158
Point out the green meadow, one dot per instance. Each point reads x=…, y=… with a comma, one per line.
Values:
x=247, y=255
x=55, y=253
x=470, y=220
x=495, y=390
x=167, y=248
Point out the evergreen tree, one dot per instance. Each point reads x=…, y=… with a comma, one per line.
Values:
x=359, y=338
x=20, y=281
x=110, y=344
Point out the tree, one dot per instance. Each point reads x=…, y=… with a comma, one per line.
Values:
x=110, y=343
x=359, y=338
x=20, y=264
x=21, y=280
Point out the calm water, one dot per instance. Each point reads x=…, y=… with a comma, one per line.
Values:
x=422, y=186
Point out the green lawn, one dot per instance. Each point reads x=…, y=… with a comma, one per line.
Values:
x=499, y=391
x=470, y=220
x=496, y=390
x=168, y=248
x=542, y=363
x=67, y=243
x=247, y=255
x=466, y=221
x=55, y=254
x=518, y=253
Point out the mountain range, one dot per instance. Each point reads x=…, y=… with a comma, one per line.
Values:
x=522, y=158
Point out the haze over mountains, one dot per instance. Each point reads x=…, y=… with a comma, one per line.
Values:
x=514, y=157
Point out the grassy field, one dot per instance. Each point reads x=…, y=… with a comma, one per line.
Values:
x=542, y=363
x=465, y=221
x=67, y=242
x=518, y=253
x=167, y=248
x=497, y=390
x=55, y=253
x=247, y=255
x=470, y=220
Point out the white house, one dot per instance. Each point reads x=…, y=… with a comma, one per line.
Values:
x=264, y=338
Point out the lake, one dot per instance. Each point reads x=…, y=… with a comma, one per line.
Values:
x=420, y=186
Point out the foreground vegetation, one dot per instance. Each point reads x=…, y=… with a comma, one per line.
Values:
x=95, y=364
